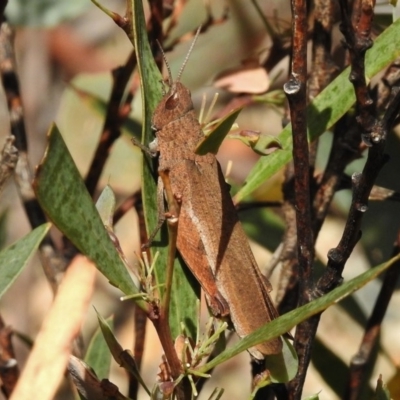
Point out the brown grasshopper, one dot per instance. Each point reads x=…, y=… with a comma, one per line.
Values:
x=210, y=237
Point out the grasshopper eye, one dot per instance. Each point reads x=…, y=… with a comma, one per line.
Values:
x=172, y=101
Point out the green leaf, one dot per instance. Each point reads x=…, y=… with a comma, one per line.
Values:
x=112, y=343
x=212, y=142
x=288, y=321
x=98, y=356
x=283, y=366
x=14, y=258
x=326, y=109
x=185, y=290
x=63, y=196
x=121, y=356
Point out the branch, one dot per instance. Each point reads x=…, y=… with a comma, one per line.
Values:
x=117, y=111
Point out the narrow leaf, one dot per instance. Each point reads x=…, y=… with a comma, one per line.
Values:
x=14, y=258
x=121, y=356
x=98, y=355
x=62, y=194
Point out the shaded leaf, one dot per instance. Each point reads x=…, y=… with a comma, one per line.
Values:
x=112, y=343
x=123, y=357
x=14, y=258
x=283, y=367
x=98, y=355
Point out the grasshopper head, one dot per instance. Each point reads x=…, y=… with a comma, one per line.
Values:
x=174, y=105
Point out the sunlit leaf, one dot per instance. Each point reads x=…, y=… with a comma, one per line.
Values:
x=62, y=194
x=326, y=109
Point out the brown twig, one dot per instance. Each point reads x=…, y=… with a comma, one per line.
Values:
x=134, y=200
x=295, y=90
x=280, y=40
x=356, y=29
x=117, y=111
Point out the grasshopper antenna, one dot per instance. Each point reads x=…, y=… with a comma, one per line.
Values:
x=171, y=83
x=188, y=54
x=170, y=80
